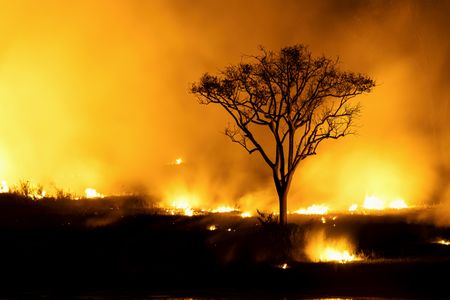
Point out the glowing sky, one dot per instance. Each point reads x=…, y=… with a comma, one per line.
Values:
x=95, y=93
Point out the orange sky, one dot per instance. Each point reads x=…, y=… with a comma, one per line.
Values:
x=95, y=93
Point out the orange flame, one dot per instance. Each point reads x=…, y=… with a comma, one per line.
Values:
x=443, y=242
x=319, y=248
x=315, y=209
x=91, y=193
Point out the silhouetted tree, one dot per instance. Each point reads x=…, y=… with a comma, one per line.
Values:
x=284, y=104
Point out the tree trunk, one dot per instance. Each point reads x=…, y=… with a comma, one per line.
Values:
x=282, y=198
x=283, y=191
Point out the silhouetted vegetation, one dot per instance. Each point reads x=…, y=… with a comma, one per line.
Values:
x=120, y=244
x=283, y=106
x=61, y=194
x=266, y=218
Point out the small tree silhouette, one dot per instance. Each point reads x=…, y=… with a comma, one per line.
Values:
x=299, y=100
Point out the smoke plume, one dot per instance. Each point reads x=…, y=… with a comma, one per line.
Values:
x=95, y=93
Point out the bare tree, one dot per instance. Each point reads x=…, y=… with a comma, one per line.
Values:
x=294, y=99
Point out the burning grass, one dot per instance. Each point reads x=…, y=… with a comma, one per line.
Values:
x=132, y=237
x=320, y=248
x=187, y=203
x=443, y=242
x=315, y=209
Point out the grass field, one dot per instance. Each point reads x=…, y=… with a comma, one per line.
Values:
x=123, y=246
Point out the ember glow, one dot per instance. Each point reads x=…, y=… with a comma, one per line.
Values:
x=398, y=204
x=246, y=214
x=443, y=242
x=190, y=204
x=182, y=205
x=184, y=202
x=95, y=95
x=211, y=227
x=313, y=210
x=353, y=207
x=333, y=254
x=223, y=209
x=320, y=248
x=38, y=194
x=370, y=203
x=376, y=203
x=91, y=193
x=373, y=202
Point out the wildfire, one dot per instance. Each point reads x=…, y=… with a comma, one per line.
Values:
x=372, y=202
x=182, y=204
x=443, y=242
x=319, y=248
x=178, y=161
x=40, y=194
x=223, y=209
x=211, y=227
x=316, y=209
x=332, y=254
x=398, y=204
x=91, y=193
x=353, y=207
x=188, y=204
x=246, y=214
x=4, y=187
x=188, y=212
x=185, y=209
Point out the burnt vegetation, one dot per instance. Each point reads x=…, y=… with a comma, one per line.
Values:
x=117, y=244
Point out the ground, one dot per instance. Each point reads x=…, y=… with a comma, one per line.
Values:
x=118, y=246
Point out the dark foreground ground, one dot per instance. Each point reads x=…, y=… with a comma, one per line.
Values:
x=117, y=247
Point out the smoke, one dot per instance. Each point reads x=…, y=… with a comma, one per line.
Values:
x=95, y=94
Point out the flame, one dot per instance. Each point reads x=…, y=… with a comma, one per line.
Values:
x=38, y=194
x=319, y=248
x=246, y=214
x=443, y=242
x=223, y=209
x=178, y=161
x=4, y=187
x=91, y=193
x=373, y=202
x=184, y=204
x=315, y=209
x=211, y=227
x=353, y=207
x=332, y=254
x=189, y=204
x=188, y=212
x=398, y=204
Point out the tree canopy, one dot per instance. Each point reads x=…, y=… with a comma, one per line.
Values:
x=298, y=99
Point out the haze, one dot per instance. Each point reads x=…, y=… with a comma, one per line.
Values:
x=95, y=94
